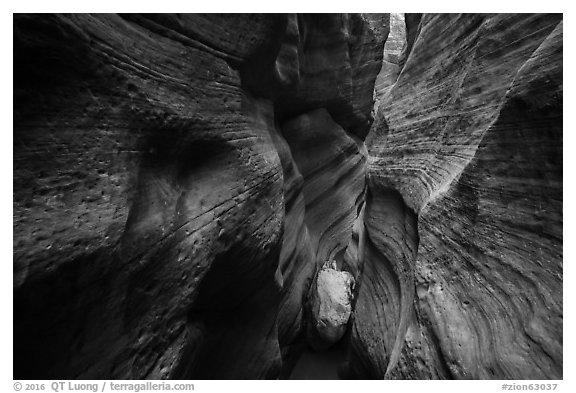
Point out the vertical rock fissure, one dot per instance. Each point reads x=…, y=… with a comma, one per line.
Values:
x=386, y=285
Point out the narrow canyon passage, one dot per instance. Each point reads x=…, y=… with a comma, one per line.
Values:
x=184, y=182
x=320, y=365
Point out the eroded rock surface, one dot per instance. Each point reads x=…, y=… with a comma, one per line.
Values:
x=393, y=55
x=172, y=201
x=470, y=137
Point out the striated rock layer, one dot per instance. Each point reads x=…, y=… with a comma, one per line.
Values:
x=393, y=56
x=470, y=141
x=177, y=181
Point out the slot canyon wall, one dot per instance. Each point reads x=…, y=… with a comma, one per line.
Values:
x=470, y=136
x=180, y=179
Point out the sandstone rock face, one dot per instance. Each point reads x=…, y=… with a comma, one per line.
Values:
x=393, y=52
x=172, y=199
x=179, y=181
x=331, y=300
x=470, y=141
x=147, y=189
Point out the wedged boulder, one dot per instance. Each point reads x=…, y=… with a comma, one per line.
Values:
x=331, y=306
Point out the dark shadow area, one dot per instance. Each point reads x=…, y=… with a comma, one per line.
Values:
x=321, y=365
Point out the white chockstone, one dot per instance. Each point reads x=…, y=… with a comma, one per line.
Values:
x=331, y=303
